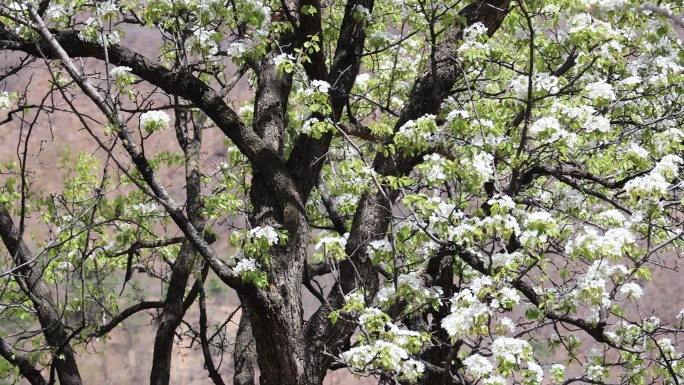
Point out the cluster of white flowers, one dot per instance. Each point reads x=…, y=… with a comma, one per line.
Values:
x=585, y=23
x=202, y=40
x=592, y=284
x=152, y=121
x=495, y=380
x=656, y=183
x=236, y=49
x=594, y=372
x=246, y=265
x=467, y=312
x=550, y=128
x=482, y=164
x=503, y=201
x=540, y=82
x=379, y=245
x=638, y=151
x=433, y=167
x=282, y=59
x=266, y=232
x=600, y=90
x=597, y=123
x=510, y=350
x=505, y=260
x=612, y=244
x=605, y=5
x=363, y=11
x=362, y=79
x=307, y=126
x=477, y=366
x=612, y=215
x=632, y=289
x=454, y=113
x=506, y=325
x=329, y=240
x=91, y=33
x=5, y=102
x=471, y=39
x=422, y=131
x=142, y=209
x=318, y=86
x=540, y=217
x=381, y=355
x=118, y=72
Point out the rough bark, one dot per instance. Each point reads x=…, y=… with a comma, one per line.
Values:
x=244, y=354
x=26, y=369
x=185, y=260
x=34, y=287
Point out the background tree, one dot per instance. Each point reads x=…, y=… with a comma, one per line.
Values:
x=486, y=184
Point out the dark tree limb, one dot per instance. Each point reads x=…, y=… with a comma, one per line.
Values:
x=26, y=369
x=33, y=284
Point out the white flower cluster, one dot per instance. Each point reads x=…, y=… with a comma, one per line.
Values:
x=471, y=39
x=202, y=41
x=379, y=245
x=363, y=11
x=612, y=244
x=5, y=102
x=505, y=260
x=632, y=289
x=482, y=165
x=118, y=72
x=266, y=232
x=600, y=90
x=382, y=355
x=330, y=240
x=91, y=33
x=318, y=86
x=419, y=133
x=152, y=121
x=283, y=58
x=467, y=313
x=592, y=285
x=637, y=151
x=307, y=126
x=246, y=265
x=236, y=49
x=477, y=366
x=656, y=183
x=143, y=209
x=540, y=82
x=597, y=123
x=549, y=129
x=612, y=215
x=510, y=350
x=433, y=168
x=585, y=23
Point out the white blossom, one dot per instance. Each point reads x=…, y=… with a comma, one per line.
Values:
x=154, y=121
x=597, y=123
x=5, y=102
x=118, y=72
x=236, y=49
x=600, y=90
x=511, y=350
x=267, y=232
x=246, y=265
x=538, y=371
x=477, y=366
x=632, y=289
